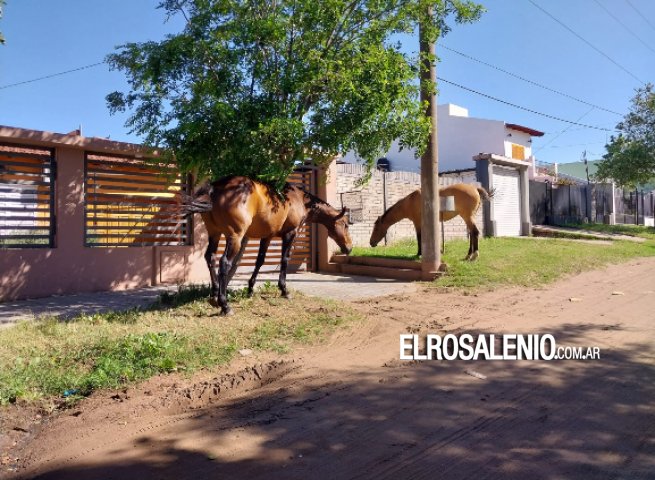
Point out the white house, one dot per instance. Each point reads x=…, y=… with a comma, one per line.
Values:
x=461, y=138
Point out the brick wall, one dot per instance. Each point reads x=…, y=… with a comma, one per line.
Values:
x=367, y=202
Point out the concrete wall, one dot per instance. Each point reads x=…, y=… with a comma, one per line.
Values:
x=397, y=185
x=71, y=267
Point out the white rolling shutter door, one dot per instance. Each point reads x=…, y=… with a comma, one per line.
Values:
x=507, y=208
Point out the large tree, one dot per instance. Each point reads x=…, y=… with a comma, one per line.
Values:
x=630, y=157
x=252, y=87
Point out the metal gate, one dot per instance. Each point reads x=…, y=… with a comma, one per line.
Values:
x=507, y=207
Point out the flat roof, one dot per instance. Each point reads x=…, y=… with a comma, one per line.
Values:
x=73, y=140
x=528, y=130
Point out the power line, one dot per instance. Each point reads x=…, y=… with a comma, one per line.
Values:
x=559, y=134
x=529, y=81
x=552, y=117
x=575, y=145
x=640, y=14
x=628, y=29
x=46, y=77
x=587, y=42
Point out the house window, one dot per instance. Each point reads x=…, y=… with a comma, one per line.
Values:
x=27, y=178
x=131, y=202
x=518, y=151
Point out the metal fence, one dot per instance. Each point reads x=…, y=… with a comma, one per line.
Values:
x=595, y=202
x=634, y=207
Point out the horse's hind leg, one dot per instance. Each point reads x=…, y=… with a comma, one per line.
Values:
x=209, y=253
x=261, y=256
x=232, y=246
x=474, y=235
x=287, y=243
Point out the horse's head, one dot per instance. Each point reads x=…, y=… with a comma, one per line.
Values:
x=378, y=232
x=338, y=231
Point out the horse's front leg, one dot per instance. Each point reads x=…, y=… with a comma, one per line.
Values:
x=287, y=243
x=232, y=247
x=261, y=256
x=209, y=254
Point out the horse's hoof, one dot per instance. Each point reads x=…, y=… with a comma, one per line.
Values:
x=287, y=295
x=473, y=257
x=250, y=292
x=214, y=302
x=227, y=312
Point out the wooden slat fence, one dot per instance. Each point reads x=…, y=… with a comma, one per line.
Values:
x=132, y=202
x=27, y=180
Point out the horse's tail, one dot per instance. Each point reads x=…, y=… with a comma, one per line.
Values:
x=198, y=202
x=486, y=195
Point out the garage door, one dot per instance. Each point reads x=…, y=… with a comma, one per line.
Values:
x=507, y=209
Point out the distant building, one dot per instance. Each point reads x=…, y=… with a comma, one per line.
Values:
x=579, y=169
x=461, y=138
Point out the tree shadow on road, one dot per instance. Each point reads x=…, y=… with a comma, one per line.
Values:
x=555, y=420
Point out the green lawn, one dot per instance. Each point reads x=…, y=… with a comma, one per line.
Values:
x=48, y=360
x=518, y=261
x=632, y=230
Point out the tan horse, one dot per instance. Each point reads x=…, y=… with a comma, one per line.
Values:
x=467, y=202
x=241, y=208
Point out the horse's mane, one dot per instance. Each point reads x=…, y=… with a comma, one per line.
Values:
x=315, y=203
x=392, y=207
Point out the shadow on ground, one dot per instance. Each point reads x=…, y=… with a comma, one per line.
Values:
x=558, y=419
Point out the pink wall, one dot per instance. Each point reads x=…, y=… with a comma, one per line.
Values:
x=71, y=267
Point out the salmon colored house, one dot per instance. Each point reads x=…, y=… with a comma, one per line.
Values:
x=82, y=214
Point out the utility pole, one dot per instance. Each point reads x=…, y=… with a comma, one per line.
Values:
x=430, y=241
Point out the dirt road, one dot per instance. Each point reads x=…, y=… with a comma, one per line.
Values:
x=351, y=409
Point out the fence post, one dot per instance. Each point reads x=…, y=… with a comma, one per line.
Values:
x=612, y=219
x=551, y=219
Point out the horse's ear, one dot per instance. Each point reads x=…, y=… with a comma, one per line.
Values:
x=343, y=211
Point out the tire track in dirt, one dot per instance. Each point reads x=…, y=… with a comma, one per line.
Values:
x=194, y=397
x=351, y=409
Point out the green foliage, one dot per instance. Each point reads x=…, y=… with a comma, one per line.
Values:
x=253, y=87
x=630, y=158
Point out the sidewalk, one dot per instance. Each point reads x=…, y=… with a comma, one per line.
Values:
x=339, y=287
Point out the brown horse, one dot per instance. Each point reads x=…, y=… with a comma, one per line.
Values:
x=467, y=202
x=241, y=208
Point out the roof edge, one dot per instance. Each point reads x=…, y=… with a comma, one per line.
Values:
x=528, y=130
x=71, y=140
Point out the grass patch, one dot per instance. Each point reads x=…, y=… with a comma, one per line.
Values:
x=47, y=359
x=519, y=261
x=631, y=230
x=405, y=249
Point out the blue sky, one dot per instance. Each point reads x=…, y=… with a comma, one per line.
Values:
x=46, y=37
